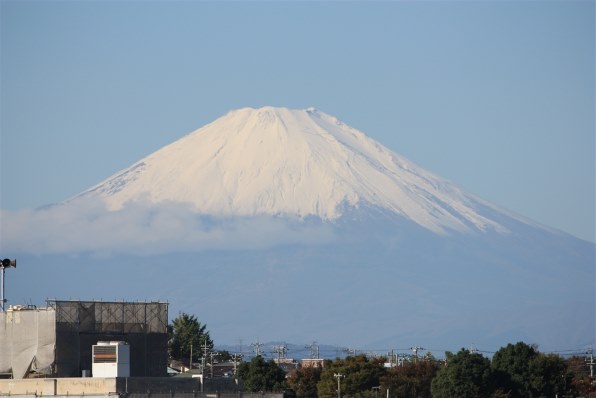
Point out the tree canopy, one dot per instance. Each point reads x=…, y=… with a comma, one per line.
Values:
x=184, y=332
x=304, y=381
x=466, y=375
x=516, y=371
x=360, y=376
x=411, y=380
x=260, y=375
x=513, y=363
x=527, y=373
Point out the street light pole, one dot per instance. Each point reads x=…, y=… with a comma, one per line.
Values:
x=2, y=293
x=6, y=263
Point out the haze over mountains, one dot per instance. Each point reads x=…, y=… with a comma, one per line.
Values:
x=289, y=225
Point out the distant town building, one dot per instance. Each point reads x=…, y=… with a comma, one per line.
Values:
x=313, y=363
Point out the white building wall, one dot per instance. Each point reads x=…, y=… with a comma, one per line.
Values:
x=27, y=340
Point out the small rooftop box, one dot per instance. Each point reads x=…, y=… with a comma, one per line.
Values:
x=111, y=359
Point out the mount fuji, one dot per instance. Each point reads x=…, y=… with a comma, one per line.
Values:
x=296, y=163
x=284, y=224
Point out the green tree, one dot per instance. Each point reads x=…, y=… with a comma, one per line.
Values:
x=184, y=332
x=512, y=364
x=360, y=376
x=260, y=375
x=549, y=376
x=580, y=377
x=466, y=375
x=304, y=381
x=412, y=380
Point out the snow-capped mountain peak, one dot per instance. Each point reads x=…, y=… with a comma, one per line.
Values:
x=343, y=229
x=279, y=161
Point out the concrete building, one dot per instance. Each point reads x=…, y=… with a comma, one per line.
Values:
x=57, y=341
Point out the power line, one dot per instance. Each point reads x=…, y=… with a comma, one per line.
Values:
x=314, y=350
x=591, y=362
x=280, y=350
x=205, y=348
x=415, y=350
x=257, y=348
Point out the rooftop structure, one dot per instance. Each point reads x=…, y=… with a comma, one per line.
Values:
x=57, y=341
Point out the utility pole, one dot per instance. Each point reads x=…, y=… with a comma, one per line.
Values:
x=590, y=362
x=400, y=359
x=314, y=350
x=392, y=358
x=257, y=347
x=280, y=350
x=212, y=354
x=351, y=352
x=190, y=362
x=236, y=358
x=338, y=376
x=416, y=349
x=205, y=352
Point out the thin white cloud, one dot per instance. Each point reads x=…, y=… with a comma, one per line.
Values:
x=141, y=229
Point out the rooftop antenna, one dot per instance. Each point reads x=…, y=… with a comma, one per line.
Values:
x=6, y=263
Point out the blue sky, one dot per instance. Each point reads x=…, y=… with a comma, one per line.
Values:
x=498, y=97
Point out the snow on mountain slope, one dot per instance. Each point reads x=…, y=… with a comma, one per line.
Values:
x=278, y=161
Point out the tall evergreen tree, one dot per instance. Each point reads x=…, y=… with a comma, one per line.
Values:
x=184, y=332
